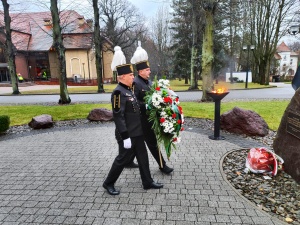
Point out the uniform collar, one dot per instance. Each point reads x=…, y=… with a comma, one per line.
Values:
x=146, y=81
x=124, y=86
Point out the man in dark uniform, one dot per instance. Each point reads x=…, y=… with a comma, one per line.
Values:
x=141, y=85
x=128, y=132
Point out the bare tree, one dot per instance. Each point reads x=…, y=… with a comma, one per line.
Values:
x=120, y=20
x=160, y=34
x=60, y=50
x=98, y=46
x=9, y=48
x=266, y=21
x=295, y=46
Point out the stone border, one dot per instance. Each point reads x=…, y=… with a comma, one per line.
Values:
x=239, y=194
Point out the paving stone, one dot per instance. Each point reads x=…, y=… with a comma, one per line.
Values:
x=57, y=179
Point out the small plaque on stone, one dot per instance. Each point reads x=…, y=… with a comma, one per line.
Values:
x=293, y=124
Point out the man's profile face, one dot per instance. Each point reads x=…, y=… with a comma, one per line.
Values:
x=145, y=73
x=127, y=79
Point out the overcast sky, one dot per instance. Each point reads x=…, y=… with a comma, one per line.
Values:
x=146, y=7
x=149, y=7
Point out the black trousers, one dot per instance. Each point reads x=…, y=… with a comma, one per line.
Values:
x=139, y=150
x=151, y=141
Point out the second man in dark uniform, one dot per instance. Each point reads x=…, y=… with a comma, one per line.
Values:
x=128, y=132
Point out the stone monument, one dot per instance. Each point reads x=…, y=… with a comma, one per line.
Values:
x=287, y=141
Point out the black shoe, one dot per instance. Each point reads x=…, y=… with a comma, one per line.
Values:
x=166, y=169
x=111, y=189
x=154, y=185
x=132, y=165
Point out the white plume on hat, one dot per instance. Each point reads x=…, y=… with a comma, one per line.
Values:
x=139, y=55
x=118, y=58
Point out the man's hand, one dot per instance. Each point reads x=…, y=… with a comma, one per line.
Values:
x=127, y=143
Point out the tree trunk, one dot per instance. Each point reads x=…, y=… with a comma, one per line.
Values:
x=9, y=48
x=262, y=72
x=194, y=54
x=186, y=79
x=98, y=47
x=207, y=55
x=60, y=50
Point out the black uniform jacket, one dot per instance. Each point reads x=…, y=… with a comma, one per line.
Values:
x=141, y=86
x=126, y=113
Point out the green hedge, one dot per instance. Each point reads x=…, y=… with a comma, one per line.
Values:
x=4, y=123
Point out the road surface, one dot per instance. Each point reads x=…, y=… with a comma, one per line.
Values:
x=282, y=91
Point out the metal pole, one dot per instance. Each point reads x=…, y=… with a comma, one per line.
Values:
x=246, y=85
x=83, y=72
x=217, y=119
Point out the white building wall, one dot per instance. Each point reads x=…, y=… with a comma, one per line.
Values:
x=240, y=76
x=287, y=62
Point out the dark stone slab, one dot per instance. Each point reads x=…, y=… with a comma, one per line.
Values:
x=100, y=114
x=41, y=122
x=241, y=121
x=287, y=141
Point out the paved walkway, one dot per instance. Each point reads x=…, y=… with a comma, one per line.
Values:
x=55, y=177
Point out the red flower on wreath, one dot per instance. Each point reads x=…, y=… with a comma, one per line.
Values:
x=174, y=115
x=157, y=88
x=180, y=109
x=179, y=121
x=168, y=100
x=162, y=120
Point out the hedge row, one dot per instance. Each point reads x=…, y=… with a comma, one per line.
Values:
x=4, y=123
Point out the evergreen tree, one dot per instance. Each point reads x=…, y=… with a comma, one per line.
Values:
x=182, y=38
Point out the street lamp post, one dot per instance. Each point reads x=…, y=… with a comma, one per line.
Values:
x=83, y=72
x=247, y=48
x=294, y=29
x=29, y=73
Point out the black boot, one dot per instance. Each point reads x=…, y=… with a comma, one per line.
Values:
x=166, y=169
x=111, y=189
x=154, y=185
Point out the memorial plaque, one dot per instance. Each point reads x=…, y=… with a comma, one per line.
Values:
x=287, y=141
x=293, y=124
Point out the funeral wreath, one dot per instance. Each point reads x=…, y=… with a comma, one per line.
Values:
x=165, y=113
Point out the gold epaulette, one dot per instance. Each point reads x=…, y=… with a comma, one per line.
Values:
x=117, y=100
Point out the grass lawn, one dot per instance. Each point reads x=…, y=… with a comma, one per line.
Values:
x=271, y=111
x=175, y=85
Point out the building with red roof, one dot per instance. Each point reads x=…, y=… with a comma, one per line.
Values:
x=288, y=60
x=35, y=55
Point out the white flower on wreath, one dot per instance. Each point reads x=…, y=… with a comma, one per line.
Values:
x=163, y=83
x=177, y=140
x=156, y=99
x=163, y=114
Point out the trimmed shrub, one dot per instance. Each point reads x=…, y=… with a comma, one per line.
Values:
x=4, y=123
